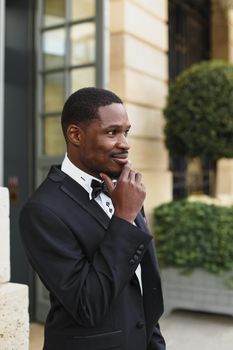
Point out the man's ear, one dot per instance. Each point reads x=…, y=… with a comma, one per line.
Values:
x=74, y=134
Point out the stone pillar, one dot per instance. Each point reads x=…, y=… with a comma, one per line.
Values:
x=14, y=320
x=139, y=75
x=224, y=183
x=222, y=48
x=4, y=236
x=2, y=58
x=220, y=31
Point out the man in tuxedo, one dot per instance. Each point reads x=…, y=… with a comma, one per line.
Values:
x=85, y=235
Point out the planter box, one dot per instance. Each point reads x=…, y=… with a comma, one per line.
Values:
x=199, y=291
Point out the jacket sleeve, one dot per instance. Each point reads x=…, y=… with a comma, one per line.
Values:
x=85, y=288
x=157, y=341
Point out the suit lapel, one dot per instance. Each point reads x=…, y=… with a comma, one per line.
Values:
x=77, y=193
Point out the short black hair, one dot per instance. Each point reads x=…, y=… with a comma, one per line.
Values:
x=82, y=106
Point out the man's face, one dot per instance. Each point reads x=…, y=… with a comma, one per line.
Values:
x=103, y=144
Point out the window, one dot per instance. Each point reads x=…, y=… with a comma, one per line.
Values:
x=68, y=58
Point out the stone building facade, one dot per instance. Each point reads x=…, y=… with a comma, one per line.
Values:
x=126, y=50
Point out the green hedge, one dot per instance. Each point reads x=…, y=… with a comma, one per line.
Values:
x=199, y=112
x=194, y=235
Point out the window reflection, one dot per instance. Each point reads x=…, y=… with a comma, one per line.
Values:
x=54, y=12
x=54, y=143
x=54, y=92
x=53, y=48
x=63, y=72
x=82, y=77
x=83, y=43
x=82, y=9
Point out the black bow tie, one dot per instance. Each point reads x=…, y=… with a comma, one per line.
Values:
x=99, y=187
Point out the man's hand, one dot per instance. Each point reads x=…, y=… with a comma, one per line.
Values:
x=128, y=194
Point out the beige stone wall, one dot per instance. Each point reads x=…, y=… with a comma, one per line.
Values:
x=220, y=35
x=4, y=236
x=139, y=75
x=14, y=319
x=222, y=48
x=222, y=29
x=225, y=177
x=230, y=34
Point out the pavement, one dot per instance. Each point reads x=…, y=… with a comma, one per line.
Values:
x=183, y=330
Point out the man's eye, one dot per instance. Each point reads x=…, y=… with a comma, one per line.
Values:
x=126, y=132
x=111, y=132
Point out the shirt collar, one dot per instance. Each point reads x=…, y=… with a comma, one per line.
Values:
x=78, y=175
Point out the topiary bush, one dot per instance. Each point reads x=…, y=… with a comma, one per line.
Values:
x=194, y=235
x=199, y=112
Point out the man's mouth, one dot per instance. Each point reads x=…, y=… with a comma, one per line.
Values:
x=121, y=158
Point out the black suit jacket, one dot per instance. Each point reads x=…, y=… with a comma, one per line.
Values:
x=88, y=261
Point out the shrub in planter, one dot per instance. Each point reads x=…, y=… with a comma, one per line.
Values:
x=199, y=112
x=193, y=235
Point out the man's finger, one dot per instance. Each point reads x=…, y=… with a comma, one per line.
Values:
x=125, y=172
x=138, y=177
x=132, y=176
x=108, y=182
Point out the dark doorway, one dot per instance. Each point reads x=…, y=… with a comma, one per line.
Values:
x=189, y=42
x=19, y=127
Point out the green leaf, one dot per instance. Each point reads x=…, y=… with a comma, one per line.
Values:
x=199, y=111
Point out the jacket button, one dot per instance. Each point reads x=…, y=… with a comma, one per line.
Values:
x=139, y=252
x=140, y=325
x=132, y=261
x=141, y=247
x=135, y=257
x=134, y=281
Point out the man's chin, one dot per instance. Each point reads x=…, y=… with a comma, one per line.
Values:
x=114, y=174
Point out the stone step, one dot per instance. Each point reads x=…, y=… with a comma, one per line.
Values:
x=4, y=249
x=14, y=319
x=4, y=236
x=4, y=202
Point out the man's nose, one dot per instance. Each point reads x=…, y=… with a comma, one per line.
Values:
x=123, y=142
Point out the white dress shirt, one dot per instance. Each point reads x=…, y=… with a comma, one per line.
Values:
x=102, y=199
